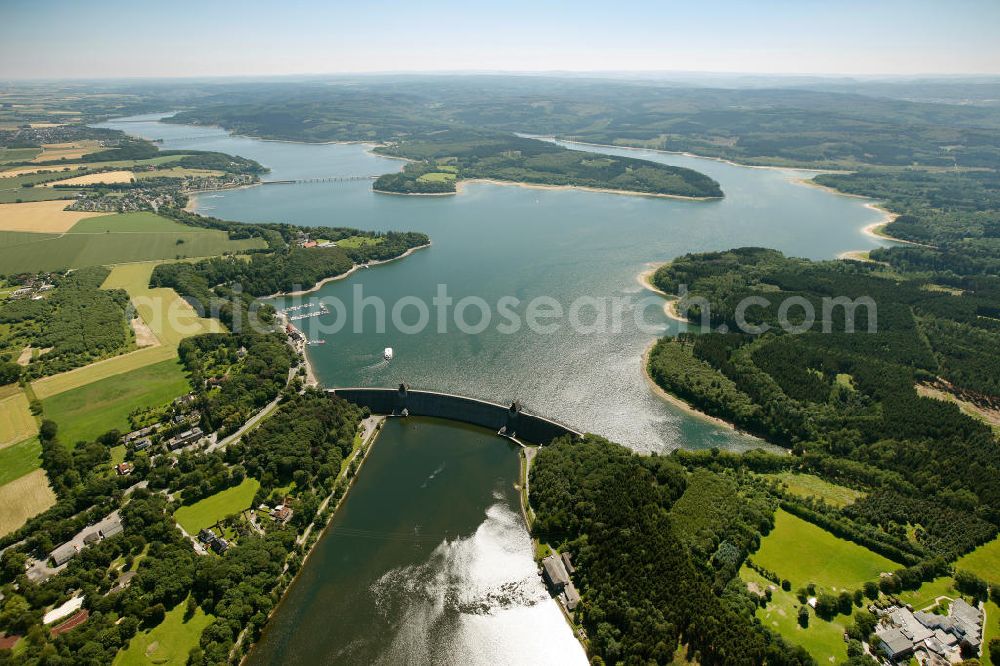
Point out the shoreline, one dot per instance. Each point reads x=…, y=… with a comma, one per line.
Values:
x=670, y=306
x=541, y=186
x=334, y=278
x=679, y=403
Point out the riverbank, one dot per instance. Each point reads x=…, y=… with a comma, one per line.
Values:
x=670, y=305
x=686, y=407
x=372, y=427
x=459, y=186
x=334, y=278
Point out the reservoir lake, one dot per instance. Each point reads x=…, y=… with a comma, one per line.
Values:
x=443, y=573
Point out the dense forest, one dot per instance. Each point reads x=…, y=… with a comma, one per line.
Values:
x=851, y=397
x=75, y=323
x=475, y=154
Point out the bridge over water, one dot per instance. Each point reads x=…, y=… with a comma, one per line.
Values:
x=507, y=420
x=331, y=179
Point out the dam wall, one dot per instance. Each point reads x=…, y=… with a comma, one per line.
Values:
x=508, y=420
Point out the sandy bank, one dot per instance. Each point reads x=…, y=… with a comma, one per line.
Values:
x=670, y=306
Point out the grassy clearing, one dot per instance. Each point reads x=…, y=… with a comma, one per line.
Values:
x=823, y=640
x=437, y=177
x=168, y=643
x=91, y=410
x=16, y=421
x=20, y=459
x=352, y=242
x=131, y=223
x=67, y=381
x=169, y=316
x=927, y=593
x=24, y=498
x=803, y=553
x=991, y=630
x=808, y=485
x=44, y=217
x=77, y=250
x=207, y=512
x=983, y=561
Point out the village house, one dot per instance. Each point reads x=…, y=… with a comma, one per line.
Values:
x=124, y=469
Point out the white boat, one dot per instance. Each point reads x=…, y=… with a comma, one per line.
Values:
x=387, y=354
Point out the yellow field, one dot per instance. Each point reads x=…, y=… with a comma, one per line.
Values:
x=16, y=421
x=24, y=498
x=168, y=315
x=106, y=177
x=40, y=217
x=67, y=151
x=20, y=171
x=49, y=386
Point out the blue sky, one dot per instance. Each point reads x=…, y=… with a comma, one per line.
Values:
x=112, y=38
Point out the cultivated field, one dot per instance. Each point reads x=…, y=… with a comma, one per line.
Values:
x=822, y=639
x=983, y=561
x=84, y=413
x=803, y=553
x=17, y=154
x=142, y=222
x=169, y=316
x=20, y=459
x=178, y=172
x=73, y=150
x=808, y=485
x=77, y=250
x=16, y=421
x=24, y=498
x=67, y=381
x=207, y=512
x=46, y=217
x=168, y=643
x=105, y=177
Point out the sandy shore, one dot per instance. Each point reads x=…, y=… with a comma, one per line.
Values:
x=357, y=267
x=538, y=186
x=670, y=306
x=674, y=400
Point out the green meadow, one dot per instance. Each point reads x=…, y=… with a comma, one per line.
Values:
x=804, y=553
x=20, y=459
x=168, y=643
x=89, y=411
x=207, y=512
x=983, y=561
x=809, y=485
x=131, y=223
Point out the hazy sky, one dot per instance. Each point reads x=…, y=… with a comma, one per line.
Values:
x=111, y=38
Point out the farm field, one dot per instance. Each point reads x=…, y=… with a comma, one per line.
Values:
x=169, y=316
x=168, y=643
x=20, y=459
x=16, y=420
x=436, y=177
x=18, y=154
x=808, y=485
x=822, y=639
x=352, y=242
x=804, y=553
x=106, y=177
x=131, y=223
x=46, y=217
x=207, y=512
x=178, y=172
x=79, y=250
x=67, y=381
x=73, y=150
x=983, y=561
x=24, y=498
x=84, y=413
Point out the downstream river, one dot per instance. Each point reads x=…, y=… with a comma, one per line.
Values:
x=459, y=586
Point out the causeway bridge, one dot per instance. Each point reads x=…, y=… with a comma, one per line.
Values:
x=511, y=420
x=331, y=179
